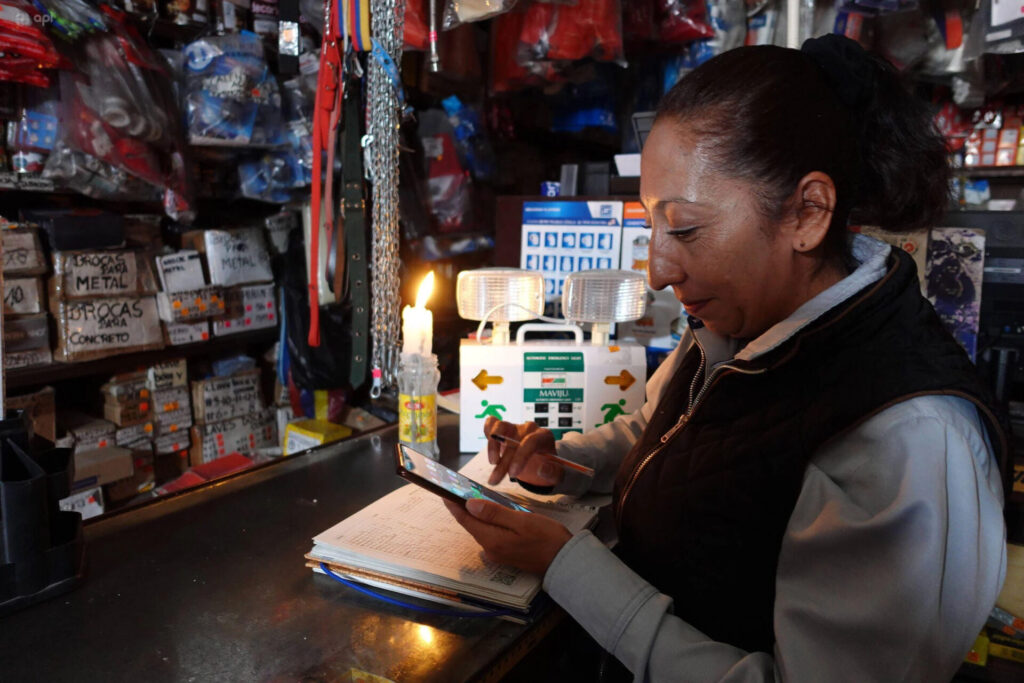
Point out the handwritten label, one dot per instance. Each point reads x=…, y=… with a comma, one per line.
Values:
x=131, y=436
x=35, y=184
x=89, y=502
x=170, y=400
x=167, y=375
x=187, y=333
x=27, y=359
x=27, y=333
x=237, y=257
x=174, y=421
x=98, y=273
x=8, y=180
x=243, y=434
x=249, y=308
x=222, y=398
x=181, y=271
x=22, y=252
x=22, y=295
x=103, y=324
x=191, y=305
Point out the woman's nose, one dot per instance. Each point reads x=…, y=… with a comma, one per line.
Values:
x=662, y=268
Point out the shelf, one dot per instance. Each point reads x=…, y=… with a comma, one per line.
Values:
x=56, y=372
x=992, y=171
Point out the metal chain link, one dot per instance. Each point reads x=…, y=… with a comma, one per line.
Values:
x=387, y=20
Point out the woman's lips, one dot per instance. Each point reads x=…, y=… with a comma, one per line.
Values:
x=695, y=307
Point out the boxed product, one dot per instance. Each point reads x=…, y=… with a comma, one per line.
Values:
x=134, y=435
x=130, y=387
x=23, y=253
x=92, y=274
x=236, y=257
x=170, y=400
x=88, y=433
x=127, y=414
x=27, y=333
x=143, y=230
x=302, y=435
x=248, y=308
x=23, y=295
x=88, y=501
x=191, y=305
x=173, y=443
x=27, y=359
x=173, y=422
x=40, y=409
x=167, y=375
x=102, y=465
x=243, y=434
x=181, y=271
x=221, y=398
x=177, y=334
x=143, y=479
x=95, y=328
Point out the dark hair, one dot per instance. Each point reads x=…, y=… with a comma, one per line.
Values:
x=774, y=117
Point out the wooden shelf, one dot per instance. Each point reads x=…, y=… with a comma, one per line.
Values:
x=57, y=372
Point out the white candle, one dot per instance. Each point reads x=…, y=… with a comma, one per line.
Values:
x=418, y=322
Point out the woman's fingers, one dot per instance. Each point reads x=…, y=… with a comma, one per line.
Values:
x=494, y=447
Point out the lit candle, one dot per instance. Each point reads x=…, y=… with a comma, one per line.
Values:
x=418, y=322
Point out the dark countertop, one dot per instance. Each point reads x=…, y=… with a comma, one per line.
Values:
x=211, y=585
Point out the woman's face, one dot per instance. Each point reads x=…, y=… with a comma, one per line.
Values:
x=709, y=243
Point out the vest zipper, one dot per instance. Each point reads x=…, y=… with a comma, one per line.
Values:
x=694, y=402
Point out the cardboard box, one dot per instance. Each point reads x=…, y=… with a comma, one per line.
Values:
x=167, y=375
x=127, y=414
x=23, y=253
x=89, y=502
x=177, y=334
x=221, y=398
x=102, y=465
x=173, y=443
x=244, y=434
x=237, y=257
x=40, y=409
x=248, y=308
x=141, y=481
x=191, y=305
x=302, y=435
x=173, y=422
x=127, y=388
x=95, y=274
x=136, y=434
x=88, y=432
x=170, y=400
x=96, y=328
x=23, y=296
x=27, y=333
x=27, y=359
x=181, y=271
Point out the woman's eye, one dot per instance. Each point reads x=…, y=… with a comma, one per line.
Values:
x=683, y=232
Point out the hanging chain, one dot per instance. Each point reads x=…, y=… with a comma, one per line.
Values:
x=387, y=19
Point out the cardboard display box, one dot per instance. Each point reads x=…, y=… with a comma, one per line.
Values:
x=88, y=502
x=129, y=387
x=27, y=359
x=178, y=334
x=27, y=333
x=40, y=409
x=127, y=414
x=248, y=308
x=221, y=398
x=244, y=434
x=94, y=274
x=22, y=252
x=167, y=375
x=102, y=465
x=24, y=296
x=88, y=432
x=96, y=328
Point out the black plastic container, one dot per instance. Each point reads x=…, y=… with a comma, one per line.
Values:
x=42, y=551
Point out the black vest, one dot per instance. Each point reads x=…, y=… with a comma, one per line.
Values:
x=702, y=515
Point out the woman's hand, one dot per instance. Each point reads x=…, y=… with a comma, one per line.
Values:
x=521, y=539
x=521, y=462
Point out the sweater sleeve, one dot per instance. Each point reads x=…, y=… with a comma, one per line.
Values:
x=891, y=561
x=603, y=449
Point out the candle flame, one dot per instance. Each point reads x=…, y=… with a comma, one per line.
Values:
x=426, y=289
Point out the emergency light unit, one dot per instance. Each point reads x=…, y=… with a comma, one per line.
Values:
x=564, y=385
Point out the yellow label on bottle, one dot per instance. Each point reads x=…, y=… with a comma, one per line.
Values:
x=417, y=414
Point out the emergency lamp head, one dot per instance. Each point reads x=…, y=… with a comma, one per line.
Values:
x=603, y=297
x=500, y=295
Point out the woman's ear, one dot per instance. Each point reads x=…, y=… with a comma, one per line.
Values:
x=814, y=202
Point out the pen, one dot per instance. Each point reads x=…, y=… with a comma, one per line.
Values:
x=550, y=456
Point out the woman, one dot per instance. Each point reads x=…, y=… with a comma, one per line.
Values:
x=811, y=492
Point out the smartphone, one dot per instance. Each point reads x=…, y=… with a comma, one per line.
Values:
x=445, y=482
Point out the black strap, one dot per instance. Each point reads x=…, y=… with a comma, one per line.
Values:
x=354, y=217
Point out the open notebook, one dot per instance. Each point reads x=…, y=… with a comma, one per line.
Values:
x=409, y=543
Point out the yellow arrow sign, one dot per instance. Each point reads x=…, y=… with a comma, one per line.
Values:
x=483, y=379
x=623, y=379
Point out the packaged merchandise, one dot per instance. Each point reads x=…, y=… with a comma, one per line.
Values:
x=167, y=375
x=180, y=271
x=236, y=257
x=190, y=306
x=27, y=333
x=248, y=308
x=458, y=12
x=40, y=408
x=16, y=360
x=222, y=398
x=24, y=295
x=243, y=434
x=23, y=252
x=94, y=328
x=178, y=334
x=89, y=275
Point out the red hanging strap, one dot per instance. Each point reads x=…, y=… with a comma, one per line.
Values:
x=326, y=117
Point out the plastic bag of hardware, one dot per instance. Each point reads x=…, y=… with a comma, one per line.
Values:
x=458, y=12
x=564, y=33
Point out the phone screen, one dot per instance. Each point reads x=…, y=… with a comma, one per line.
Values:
x=432, y=475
